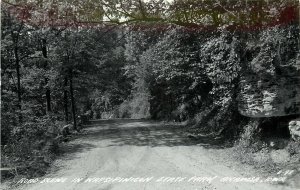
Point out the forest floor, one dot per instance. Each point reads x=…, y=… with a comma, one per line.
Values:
x=146, y=151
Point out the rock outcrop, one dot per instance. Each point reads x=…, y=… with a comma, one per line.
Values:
x=271, y=94
x=294, y=127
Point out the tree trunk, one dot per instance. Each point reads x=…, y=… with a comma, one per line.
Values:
x=299, y=25
x=17, y=61
x=48, y=92
x=72, y=100
x=15, y=34
x=66, y=100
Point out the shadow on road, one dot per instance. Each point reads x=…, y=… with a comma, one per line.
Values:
x=144, y=133
x=128, y=132
x=68, y=151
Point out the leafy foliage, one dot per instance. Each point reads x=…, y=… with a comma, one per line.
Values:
x=50, y=65
x=180, y=60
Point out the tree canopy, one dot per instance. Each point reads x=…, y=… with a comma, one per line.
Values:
x=212, y=63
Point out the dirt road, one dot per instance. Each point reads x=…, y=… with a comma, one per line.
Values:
x=142, y=152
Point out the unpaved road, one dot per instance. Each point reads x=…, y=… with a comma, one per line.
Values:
x=133, y=148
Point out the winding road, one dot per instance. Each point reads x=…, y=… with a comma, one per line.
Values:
x=137, y=155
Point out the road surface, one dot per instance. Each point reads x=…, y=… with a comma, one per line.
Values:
x=137, y=155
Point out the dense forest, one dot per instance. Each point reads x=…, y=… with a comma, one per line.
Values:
x=228, y=68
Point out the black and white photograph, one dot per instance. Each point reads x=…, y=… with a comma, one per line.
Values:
x=150, y=95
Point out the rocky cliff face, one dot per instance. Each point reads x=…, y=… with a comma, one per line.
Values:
x=271, y=92
x=294, y=127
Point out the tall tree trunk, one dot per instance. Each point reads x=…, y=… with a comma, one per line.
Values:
x=17, y=61
x=66, y=100
x=15, y=38
x=299, y=25
x=72, y=101
x=48, y=99
x=48, y=92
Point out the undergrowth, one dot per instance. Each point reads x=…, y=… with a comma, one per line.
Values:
x=31, y=147
x=268, y=154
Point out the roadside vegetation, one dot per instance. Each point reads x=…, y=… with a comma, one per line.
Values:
x=234, y=80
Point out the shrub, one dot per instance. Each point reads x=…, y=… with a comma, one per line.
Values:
x=32, y=144
x=249, y=135
x=136, y=108
x=293, y=147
